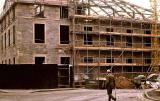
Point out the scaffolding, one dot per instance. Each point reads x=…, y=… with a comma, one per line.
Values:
x=111, y=34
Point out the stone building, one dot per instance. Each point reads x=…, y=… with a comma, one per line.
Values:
x=91, y=35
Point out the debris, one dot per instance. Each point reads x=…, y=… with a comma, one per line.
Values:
x=154, y=80
x=153, y=77
x=124, y=83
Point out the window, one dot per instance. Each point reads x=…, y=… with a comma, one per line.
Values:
x=63, y=12
x=128, y=41
x=9, y=43
x=129, y=31
x=88, y=59
x=39, y=10
x=4, y=23
x=39, y=33
x=9, y=18
x=129, y=69
x=86, y=28
x=39, y=60
x=80, y=10
x=87, y=39
x=129, y=60
x=64, y=34
x=5, y=61
x=14, y=60
x=13, y=19
x=14, y=35
x=65, y=60
x=1, y=27
x=5, y=41
x=147, y=41
x=109, y=40
x=2, y=42
x=9, y=61
x=148, y=61
x=147, y=32
x=109, y=60
x=109, y=29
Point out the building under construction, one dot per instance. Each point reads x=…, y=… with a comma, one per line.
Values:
x=91, y=35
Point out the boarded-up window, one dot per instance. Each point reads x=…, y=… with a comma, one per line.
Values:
x=39, y=33
x=64, y=34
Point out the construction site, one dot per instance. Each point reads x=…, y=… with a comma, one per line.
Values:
x=89, y=35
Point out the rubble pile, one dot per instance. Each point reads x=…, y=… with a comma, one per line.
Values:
x=124, y=83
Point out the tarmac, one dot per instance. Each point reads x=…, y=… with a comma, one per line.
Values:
x=147, y=95
x=34, y=90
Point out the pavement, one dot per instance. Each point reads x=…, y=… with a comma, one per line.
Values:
x=70, y=94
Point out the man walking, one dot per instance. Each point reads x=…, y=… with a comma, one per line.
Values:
x=110, y=84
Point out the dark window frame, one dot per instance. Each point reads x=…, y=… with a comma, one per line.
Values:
x=14, y=60
x=148, y=60
x=64, y=34
x=39, y=33
x=88, y=60
x=14, y=35
x=88, y=39
x=40, y=61
x=88, y=28
x=109, y=29
x=109, y=40
x=129, y=60
x=64, y=12
x=110, y=60
x=147, y=32
x=5, y=40
x=65, y=60
x=9, y=37
x=129, y=41
x=148, y=42
x=129, y=31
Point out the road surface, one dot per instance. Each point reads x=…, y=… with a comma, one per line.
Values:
x=70, y=95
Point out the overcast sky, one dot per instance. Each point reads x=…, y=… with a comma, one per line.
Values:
x=143, y=3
